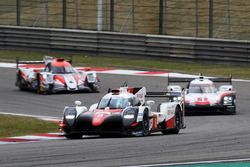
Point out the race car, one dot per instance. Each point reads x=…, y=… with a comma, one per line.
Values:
x=54, y=75
x=202, y=95
x=124, y=111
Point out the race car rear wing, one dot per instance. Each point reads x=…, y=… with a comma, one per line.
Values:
x=164, y=94
x=27, y=62
x=217, y=79
x=45, y=60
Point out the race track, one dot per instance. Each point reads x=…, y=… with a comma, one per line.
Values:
x=207, y=137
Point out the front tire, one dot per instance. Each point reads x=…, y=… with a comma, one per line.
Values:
x=38, y=89
x=20, y=83
x=41, y=90
x=94, y=88
x=230, y=112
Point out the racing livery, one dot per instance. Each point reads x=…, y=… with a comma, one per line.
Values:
x=54, y=75
x=124, y=111
x=202, y=94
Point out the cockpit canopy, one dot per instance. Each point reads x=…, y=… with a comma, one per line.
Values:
x=202, y=88
x=116, y=102
x=59, y=67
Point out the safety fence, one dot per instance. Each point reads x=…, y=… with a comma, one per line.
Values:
x=123, y=44
x=225, y=19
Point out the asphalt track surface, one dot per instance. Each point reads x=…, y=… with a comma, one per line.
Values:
x=206, y=138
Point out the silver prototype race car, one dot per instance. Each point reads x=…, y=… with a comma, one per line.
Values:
x=125, y=111
x=203, y=95
x=54, y=75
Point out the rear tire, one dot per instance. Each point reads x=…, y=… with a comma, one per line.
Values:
x=229, y=112
x=145, y=124
x=178, y=123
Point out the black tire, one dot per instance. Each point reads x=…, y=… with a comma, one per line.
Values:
x=233, y=112
x=38, y=89
x=229, y=112
x=178, y=123
x=93, y=88
x=145, y=124
x=74, y=135
x=20, y=82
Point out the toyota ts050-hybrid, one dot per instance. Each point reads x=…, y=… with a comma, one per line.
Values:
x=124, y=111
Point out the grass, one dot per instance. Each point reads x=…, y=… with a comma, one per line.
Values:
x=18, y=126
x=211, y=69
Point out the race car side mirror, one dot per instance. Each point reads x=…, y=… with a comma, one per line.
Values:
x=78, y=103
x=93, y=107
x=150, y=102
x=224, y=88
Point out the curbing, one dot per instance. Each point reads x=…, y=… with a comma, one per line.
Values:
x=128, y=72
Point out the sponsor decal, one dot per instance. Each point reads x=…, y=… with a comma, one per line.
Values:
x=99, y=118
x=170, y=123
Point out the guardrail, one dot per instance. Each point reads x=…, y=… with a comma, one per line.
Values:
x=109, y=43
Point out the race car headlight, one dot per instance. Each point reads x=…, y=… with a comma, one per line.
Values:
x=70, y=113
x=227, y=100
x=69, y=116
x=91, y=77
x=129, y=113
x=177, y=98
x=129, y=116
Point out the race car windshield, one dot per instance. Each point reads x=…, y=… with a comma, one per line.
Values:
x=195, y=88
x=62, y=69
x=115, y=103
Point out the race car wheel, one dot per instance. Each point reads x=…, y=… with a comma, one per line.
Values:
x=231, y=111
x=39, y=88
x=20, y=82
x=94, y=88
x=38, y=85
x=177, y=127
x=74, y=136
x=145, y=124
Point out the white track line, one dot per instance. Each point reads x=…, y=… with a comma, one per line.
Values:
x=192, y=163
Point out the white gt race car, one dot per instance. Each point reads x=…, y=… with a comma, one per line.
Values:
x=125, y=111
x=202, y=95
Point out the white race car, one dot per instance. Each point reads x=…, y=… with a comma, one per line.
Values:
x=124, y=111
x=54, y=75
x=202, y=94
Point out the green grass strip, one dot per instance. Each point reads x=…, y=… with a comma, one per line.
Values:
x=18, y=126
